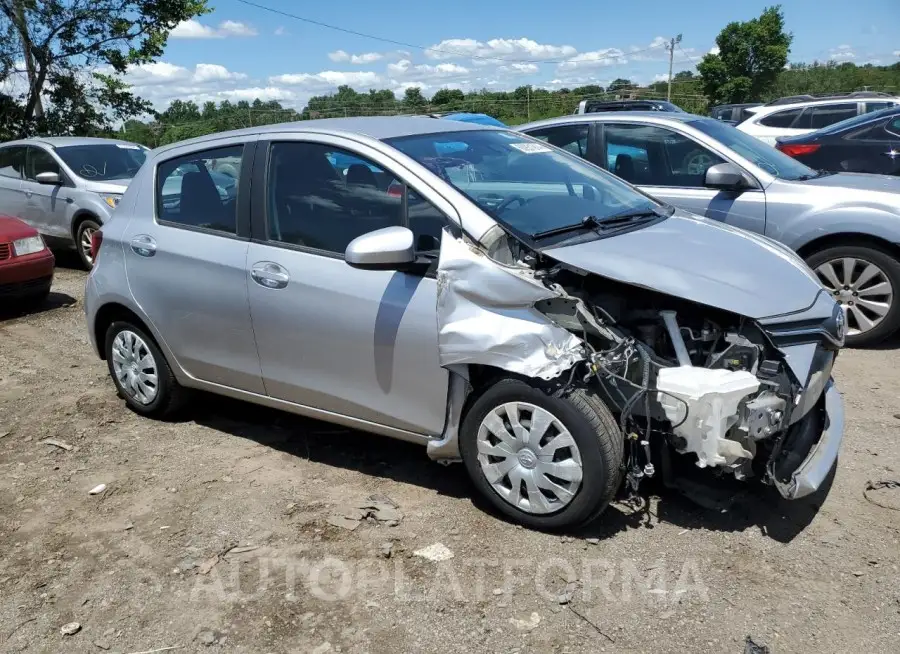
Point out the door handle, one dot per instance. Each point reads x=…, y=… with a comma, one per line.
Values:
x=270, y=275
x=143, y=245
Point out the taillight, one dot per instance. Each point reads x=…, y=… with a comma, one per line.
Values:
x=797, y=149
x=395, y=190
x=96, y=242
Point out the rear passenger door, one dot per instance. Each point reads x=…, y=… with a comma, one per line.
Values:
x=357, y=343
x=12, y=170
x=186, y=263
x=823, y=115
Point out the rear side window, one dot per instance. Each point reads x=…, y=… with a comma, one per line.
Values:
x=12, y=162
x=893, y=127
x=200, y=189
x=572, y=138
x=825, y=115
x=40, y=161
x=784, y=118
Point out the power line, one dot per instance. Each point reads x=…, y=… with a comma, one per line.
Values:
x=463, y=55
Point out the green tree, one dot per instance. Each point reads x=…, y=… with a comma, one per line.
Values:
x=72, y=51
x=751, y=56
x=413, y=98
x=448, y=96
x=619, y=84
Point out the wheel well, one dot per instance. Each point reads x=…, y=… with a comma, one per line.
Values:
x=849, y=239
x=80, y=218
x=110, y=313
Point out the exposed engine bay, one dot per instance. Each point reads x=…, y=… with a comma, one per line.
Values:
x=681, y=376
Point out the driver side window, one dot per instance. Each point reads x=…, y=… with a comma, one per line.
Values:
x=656, y=156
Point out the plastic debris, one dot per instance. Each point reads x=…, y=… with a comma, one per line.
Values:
x=96, y=490
x=436, y=552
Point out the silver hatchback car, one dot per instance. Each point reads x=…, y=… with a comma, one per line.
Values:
x=495, y=299
x=845, y=225
x=66, y=187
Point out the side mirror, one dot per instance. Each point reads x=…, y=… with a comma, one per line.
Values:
x=49, y=178
x=390, y=248
x=726, y=176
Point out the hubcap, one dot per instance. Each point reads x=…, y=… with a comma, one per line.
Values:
x=529, y=457
x=134, y=367
x=86, y=235
x=862, y=289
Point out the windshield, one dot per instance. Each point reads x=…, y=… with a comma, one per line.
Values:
x=857, y=121
x=522, y=182
x=102, y=162
x=752, y=149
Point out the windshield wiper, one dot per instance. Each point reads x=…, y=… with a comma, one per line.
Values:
x=615, y=220
x=588, y=222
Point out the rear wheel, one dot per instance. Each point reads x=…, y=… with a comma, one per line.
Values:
x=86, y=229
x=865, y=280
x=546, y=460
x=140, y=371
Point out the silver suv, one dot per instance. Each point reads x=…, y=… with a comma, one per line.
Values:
x=64, y=187
x=471, y=289
x=846, y=226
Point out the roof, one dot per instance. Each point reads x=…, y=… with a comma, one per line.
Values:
x=62, y=141
x=772, y=108
x=376, y=127
x=478, y=119
x=607, y=117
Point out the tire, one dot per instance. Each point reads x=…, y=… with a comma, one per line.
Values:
x=889, y=276
x=82, y=234
x=168, y=395
x=599, y=443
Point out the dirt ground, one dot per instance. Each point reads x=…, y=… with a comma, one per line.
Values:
x=215, y=534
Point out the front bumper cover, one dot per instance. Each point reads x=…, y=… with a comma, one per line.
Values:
x=810, y=474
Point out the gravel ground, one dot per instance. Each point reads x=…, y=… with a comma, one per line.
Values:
x=216, y=534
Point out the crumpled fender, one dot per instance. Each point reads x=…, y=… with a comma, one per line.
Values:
x=486, y=315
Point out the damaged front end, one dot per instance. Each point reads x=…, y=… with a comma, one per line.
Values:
x=739, y=392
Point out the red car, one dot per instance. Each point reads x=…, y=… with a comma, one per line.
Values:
x=26, y=265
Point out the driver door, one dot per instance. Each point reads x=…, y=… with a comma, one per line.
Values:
x=672, y=167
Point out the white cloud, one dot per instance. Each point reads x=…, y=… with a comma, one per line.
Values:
x=661, y=77
x=595, y=59
x=214, y=72
x=365, y=58
x=192, y=29
x=235, y=28
x=519, y=69
x=328, y=79
x=281, y=31
x=714, y=50
x=842, y=53
x=498, y=48
x=897, y=53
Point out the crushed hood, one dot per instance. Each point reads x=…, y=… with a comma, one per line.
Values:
x=702, y=261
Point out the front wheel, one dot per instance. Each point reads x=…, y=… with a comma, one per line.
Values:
x=84, y=233
x=865, y=281
x=548, y=460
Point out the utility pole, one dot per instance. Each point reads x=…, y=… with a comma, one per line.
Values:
x=672, y=43
x=528, y=102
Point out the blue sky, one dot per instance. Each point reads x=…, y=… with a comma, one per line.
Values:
x=242, y=52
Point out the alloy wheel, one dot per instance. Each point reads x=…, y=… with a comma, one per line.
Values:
x=85, y=243
x=134, y=367
x=863, y=290
x=529, y=457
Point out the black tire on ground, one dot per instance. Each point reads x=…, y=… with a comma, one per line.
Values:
x=83, y=226
x=891, y=267
x=170, y=397
x=594, y=430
